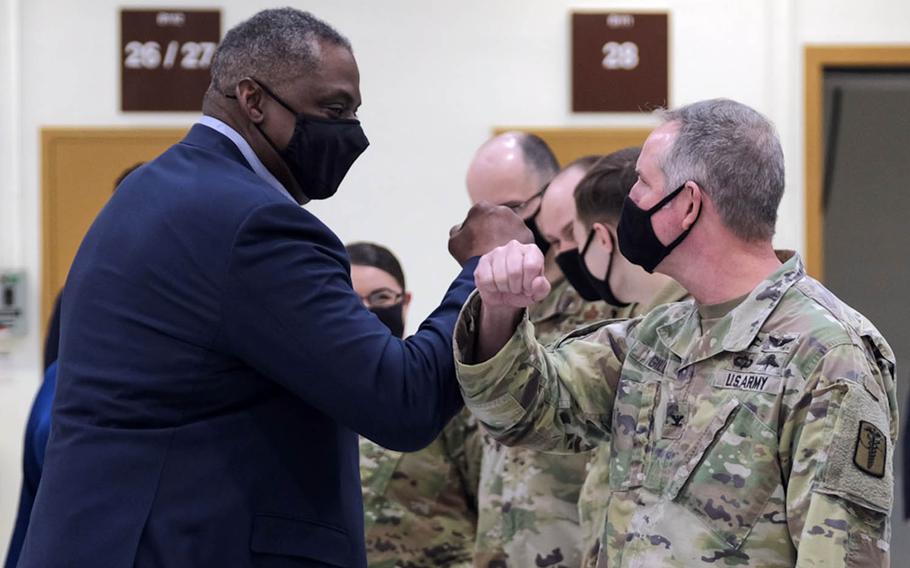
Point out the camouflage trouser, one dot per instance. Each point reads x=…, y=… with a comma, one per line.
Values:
x=420, y=507
x=528, y=508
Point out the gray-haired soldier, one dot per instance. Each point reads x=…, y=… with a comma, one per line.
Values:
x=752, y=426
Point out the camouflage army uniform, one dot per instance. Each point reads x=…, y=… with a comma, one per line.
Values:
x=420, y=508
x=595, y=491
x=528, y=500
x=766, y=441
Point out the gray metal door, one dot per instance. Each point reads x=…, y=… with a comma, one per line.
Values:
x=867, y=224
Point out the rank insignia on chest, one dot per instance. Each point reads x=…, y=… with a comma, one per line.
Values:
x=871, y=450
x=674, y=421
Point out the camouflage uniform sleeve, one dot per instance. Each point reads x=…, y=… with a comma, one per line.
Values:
x=837, y=446
x=557, y=399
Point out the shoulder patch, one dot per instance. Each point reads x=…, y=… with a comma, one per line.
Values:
x=871, y=451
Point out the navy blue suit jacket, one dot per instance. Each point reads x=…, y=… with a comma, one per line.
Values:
x=215, y=369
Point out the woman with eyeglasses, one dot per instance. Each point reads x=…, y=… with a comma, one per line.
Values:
x=420, y=508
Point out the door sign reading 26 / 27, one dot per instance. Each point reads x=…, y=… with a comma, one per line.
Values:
x=165, y=58
x=190, y=55
x=619, y=61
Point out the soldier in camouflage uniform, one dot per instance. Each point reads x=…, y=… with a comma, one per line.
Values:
x=420, y=508
x=598, y=203
x=751, y=426
x=527, y=505
x=595, y=491
x=528, y=500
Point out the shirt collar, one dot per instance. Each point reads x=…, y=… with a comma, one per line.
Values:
x=252, y=159
x=737, y=330
x=671, y=293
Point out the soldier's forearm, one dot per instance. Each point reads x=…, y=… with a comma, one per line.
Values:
x=497, y=325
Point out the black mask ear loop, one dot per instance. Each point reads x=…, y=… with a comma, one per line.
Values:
x=606, y=291
x=584, y=249
x=666, y=200
x=272, y=94
x=277, y=99
x=280, y=101
x=298, y=196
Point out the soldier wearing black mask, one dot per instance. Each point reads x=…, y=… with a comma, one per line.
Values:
x=517, y=484
x=514, y=169
x=423, y=501
x=379, y=281
x=599, y=199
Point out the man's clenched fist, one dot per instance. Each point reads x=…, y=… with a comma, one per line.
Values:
x=511, y=275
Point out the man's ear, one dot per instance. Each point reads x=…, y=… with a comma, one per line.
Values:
x=250, y=96
x=602, y=234
x=695, y=203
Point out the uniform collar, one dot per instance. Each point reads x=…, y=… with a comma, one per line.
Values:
x=671, y=293
x=738, y=329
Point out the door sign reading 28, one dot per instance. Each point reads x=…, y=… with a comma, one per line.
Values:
x=189, y=55
x=620, y=55
x=620, y=61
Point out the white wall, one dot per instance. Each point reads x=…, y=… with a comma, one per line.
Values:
x=13, y=393
x=10, y=251
x=436, y=77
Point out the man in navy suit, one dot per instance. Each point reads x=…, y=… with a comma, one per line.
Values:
x=215, y=364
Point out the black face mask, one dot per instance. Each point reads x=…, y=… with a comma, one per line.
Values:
x=604, y=291
x=531, y=223
x=570, y=263
x=321, y=150
x=392, y=317
x=637, y=239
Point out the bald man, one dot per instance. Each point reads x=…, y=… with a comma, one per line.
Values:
x=514, y=169
x=527, y=509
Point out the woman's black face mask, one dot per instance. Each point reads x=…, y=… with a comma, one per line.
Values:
x=392, y=317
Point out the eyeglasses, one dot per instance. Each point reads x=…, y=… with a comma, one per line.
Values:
x=382, y=298
x=519, y=207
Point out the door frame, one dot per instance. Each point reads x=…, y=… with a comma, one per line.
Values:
x=817, y=59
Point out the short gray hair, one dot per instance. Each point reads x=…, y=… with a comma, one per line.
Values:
x=275, y=46
x=734, y=154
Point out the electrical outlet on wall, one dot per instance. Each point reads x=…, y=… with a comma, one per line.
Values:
x=12, y=303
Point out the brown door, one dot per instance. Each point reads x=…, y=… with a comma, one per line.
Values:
x=79, y=170
x=571, y=143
